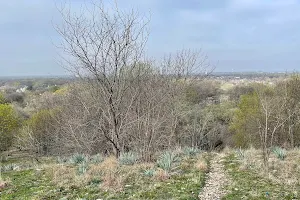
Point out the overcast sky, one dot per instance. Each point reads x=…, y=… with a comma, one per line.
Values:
x=239, y=35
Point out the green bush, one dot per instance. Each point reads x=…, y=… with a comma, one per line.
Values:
x=2, y=99
x=82, y=168
x=191, y=151
x=38, y=133
x=10, y=167
x=168, y=161
x=8, y=125
x=78, y=158
x=128, y=158
x=96, y=159
x=149, y=172
x=279, y=152
x=240, y=153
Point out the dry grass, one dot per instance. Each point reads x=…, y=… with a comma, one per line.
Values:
x=280, y=171
x=67, y=175
x=110, y=174
x=201, y=165
x=113, y=176
x=286, y=171
x=63, y=175
x=112, y=180
x=4, y=183
x=110, y=163
x=227, y=150
x=161, y=175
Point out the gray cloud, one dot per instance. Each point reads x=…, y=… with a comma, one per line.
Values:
x=240, y=34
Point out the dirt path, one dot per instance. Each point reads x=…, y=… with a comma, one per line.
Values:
x=216, y=180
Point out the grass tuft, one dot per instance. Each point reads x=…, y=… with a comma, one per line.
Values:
x=78, y=159
x=128, y=158
x=168, y=161
x=240, y=154
x=149, y=172
x=191, y=151
x=96, y=159
x=279, y=152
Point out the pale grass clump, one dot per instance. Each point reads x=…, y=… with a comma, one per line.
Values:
x=67, y=175
x=112, y=180
x=95, y=171
x=161, y=175
x=201, y=165
x=144, y=166
x=112, y=175
x=116, y=177
x=110, y=163
x=62, y=175
x=227, y=150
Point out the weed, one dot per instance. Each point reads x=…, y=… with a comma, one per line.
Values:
x=191, y=151
x=168, y=161
x=128, y=158
x=201, y=165
x=82, y=168
x=279, y=152
x=10, y=167
x=96, y=159
x=149, y=172
x=240, y=154
x=161, y=175
x=78, y=159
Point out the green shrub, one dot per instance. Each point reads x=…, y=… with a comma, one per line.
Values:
x=2, y=99
x=38, y=132
x=191, y=151
x=240, y=153
x=96, y=159
x=77, y=159
x=168, y=161
x=8, y=125
x=128, y=158
x=10, y=167
x=149, y=172
x=82, y=168
x=279, y=152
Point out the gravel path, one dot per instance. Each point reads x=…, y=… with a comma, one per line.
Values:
x=215, y=181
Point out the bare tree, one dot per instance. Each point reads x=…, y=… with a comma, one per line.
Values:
x=107, y=46
x=131, y=102
x=272, y=109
